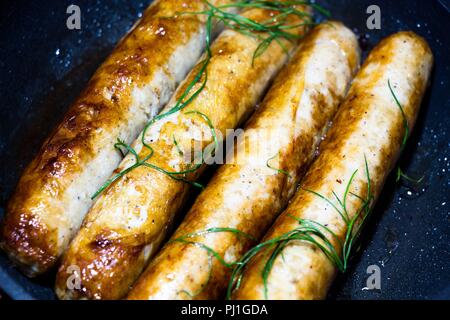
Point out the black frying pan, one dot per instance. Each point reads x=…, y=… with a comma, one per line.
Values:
x=44, y=66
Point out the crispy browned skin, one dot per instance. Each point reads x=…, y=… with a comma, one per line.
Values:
x=128, y=222
x=246, y=195
x=131, y=86
x=369, y=124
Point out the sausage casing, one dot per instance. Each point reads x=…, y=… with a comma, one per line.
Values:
x=139, y=77
x=129, y=221
x=369, y=129
x=246, y=194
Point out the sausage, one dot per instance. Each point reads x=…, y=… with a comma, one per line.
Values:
x=364, y=142
x=129, y=221
x=246, y=194
x=133, y=84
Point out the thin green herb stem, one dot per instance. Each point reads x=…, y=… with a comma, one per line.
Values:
x=312, y=232
x=211, y=252
x=276, y=169
x=400, y=173
x=237, y=22
x=405, y=119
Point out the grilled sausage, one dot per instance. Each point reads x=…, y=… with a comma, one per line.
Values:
x=54, y=192
x=128, y=223
x=246, y=194
x=369, y=128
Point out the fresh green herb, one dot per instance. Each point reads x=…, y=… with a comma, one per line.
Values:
x=278, y=170
x=318, y=234
x=210, y=125
x=211, y=252
x=275, y=28
x=144, y=162
x=405, y=120
x=314, y=233
x=402, y=175
x=236, y=232
x=175, y=142
x=119, y=145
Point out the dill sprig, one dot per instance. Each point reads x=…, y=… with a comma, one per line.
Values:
x=175, y=142
x=276, y=28
x=185, y=239
x=400, y=174
x=211, y=252
x=181, y=103
x=144, y=161
x=314, y=233
x=405, y=120
x=276, y=169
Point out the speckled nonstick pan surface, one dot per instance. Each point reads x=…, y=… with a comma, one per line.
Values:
x=44, y=66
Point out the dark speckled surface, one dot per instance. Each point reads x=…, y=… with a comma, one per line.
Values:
x=44, y=66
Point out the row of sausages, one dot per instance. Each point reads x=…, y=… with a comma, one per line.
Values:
x=321, y=93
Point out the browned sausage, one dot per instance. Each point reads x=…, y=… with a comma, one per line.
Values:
x=127, y=224
x=369, y=127
x=133, y=84
x=246, y=195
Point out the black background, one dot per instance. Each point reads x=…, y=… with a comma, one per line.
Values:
x=44, y=66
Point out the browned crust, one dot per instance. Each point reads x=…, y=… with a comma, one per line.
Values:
x=74, y=142
x=314, y=283
x=232, y=54
x=211, y=207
